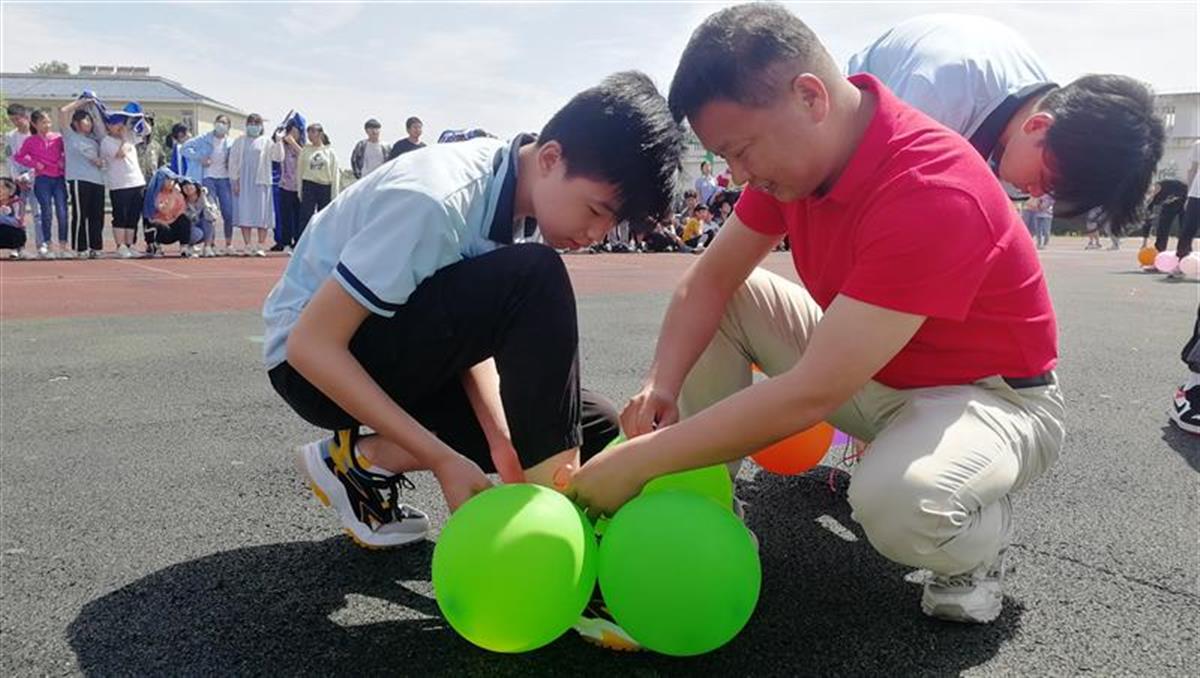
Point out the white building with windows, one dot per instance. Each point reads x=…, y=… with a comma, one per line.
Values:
x=1180, y=113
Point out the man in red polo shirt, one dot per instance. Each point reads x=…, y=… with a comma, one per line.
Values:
x=923, y=324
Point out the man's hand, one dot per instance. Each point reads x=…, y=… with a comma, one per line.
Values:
x=650, y=409
x=608, y=480
x=460, y=479
x=235, y=185
x=206, y=161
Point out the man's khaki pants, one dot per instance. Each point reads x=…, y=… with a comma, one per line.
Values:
x=933, y=489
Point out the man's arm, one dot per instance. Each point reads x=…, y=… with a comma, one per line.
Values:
x=691, y=321
x=319, y=349
x=853, y=341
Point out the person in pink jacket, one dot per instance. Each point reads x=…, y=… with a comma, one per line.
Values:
x=43, y=151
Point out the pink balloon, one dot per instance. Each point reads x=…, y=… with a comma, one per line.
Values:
x=1166, y=262
x=1190, y=265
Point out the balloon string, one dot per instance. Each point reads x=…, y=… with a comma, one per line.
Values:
x=852, y=451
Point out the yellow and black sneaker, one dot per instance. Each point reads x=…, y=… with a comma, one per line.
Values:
x=598, y=627
x=367, y=503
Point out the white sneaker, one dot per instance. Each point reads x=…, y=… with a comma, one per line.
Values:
x=288, y=250
x=972, y=597
x=368, y=505
x=66, y=254
x=124, y=252
x=259, y=252
x=209, y=251
x=43, y=251
x=14, y=254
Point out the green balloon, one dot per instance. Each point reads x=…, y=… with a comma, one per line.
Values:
x=514, y=567
x=711, y=481
x=679, y=573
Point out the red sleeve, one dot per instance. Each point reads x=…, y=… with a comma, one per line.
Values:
x=760, y=212
x=926, y=252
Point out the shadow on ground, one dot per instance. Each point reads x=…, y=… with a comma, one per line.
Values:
x=828, y=606
x=1184, y=443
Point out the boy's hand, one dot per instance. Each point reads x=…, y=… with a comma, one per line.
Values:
x=607, y=480
x=650, y=409
x=460, y=479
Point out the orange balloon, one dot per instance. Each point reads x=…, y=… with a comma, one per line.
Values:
x=796, y=453
x=1146, y=256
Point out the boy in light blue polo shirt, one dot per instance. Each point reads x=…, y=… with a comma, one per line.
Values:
x=1093, y=143
x=421, y=303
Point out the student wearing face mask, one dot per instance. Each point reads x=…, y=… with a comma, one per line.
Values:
x=250, y=177
x=210, y=152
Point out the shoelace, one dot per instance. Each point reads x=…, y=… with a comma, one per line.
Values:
x=394, y=485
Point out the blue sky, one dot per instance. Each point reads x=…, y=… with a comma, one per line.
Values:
x=508, y=67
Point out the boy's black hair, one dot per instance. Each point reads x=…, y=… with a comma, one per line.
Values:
x=408, y=124
x=17, y=109
x=621, y=132
x=177, y=128
x=222, y=116
x=78, y=115
x=690, y=193
x=696, y=210
x=1105, y=144
x=730, y=56
x=372, y=123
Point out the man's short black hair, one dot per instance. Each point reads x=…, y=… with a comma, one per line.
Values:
x=699, y=208
x=18, y=110
x=179, y=128
x=690, y=193
x=731, y=54
x=408, y=124
x=372, y=123
x=1105, y=144
x=621, y=132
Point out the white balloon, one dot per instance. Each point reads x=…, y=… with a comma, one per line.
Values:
x=1190, y=265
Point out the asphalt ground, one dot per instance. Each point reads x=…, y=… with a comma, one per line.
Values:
x=151, y=522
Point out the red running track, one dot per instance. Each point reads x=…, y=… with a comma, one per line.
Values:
x=105, y=287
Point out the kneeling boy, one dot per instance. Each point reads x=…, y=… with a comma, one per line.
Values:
x=421, y=304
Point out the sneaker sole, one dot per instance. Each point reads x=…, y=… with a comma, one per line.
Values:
x=331, y=493
x=958, y=613
x=1183, y=425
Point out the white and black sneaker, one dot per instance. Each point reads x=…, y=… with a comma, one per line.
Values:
x=367, y=503
x=975, y=597
x=1185, y=411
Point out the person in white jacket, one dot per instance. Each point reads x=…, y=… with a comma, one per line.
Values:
x=250, y=160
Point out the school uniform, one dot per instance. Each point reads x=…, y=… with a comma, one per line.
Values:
x=429, y=245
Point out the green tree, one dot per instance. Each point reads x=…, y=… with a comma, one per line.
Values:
x=51, y=68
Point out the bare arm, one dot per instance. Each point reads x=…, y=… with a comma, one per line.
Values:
x=691, y=321
x=853, y=341
x=482, y=384
x=318, y=348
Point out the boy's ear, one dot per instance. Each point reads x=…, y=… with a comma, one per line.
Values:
x=1041, y=121
x=548, y=157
